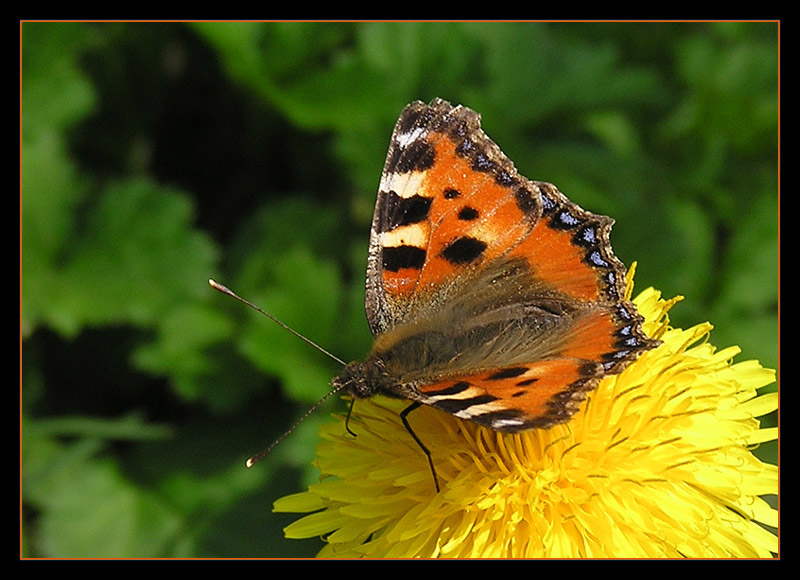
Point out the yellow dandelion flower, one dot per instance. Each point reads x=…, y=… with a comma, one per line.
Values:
x=657, y=463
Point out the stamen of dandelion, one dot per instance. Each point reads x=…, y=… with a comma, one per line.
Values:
x=679, y=464
x=668, y=441
x=502, y=455
x=554, y=442
x=681, y=392
x=615, y=443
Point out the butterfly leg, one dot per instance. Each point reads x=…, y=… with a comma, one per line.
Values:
x=347, y=419
x=403, y=417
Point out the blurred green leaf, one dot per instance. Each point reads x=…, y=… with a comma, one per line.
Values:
x=616, y=131
x=55, y=93
x=51, y=190
x=736, y=87
x=87, y=507
x=272, y=348
x=183, y=355
x=752, y=282
x=128, y=428
x=114, y=269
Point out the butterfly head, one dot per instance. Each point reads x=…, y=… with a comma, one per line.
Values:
x=359, y=379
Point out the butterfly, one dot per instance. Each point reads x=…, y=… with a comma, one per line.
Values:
x=490, y=297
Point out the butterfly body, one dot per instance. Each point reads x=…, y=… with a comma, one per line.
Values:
x=491, y=297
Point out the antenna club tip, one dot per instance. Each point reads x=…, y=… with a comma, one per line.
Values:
x=224, y=289
x=249, y=463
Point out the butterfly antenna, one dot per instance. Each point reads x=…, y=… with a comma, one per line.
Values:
x=225, y=290
x=250, y=462
x=232, y=294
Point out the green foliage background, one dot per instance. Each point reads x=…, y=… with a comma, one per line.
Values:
x=158, y=155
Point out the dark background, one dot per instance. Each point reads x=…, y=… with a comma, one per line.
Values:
x=157, y=155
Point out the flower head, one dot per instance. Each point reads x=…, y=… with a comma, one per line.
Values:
x=657, y=463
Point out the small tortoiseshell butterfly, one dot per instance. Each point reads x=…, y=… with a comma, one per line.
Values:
x=491, y=297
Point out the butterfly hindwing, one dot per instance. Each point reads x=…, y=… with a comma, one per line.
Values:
x=511, y=399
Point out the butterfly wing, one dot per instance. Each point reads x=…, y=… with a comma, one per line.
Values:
x=449, y=201
x=491, y=296
x=540, y=386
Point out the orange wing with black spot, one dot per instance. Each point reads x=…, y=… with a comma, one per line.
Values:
x=491, y=297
